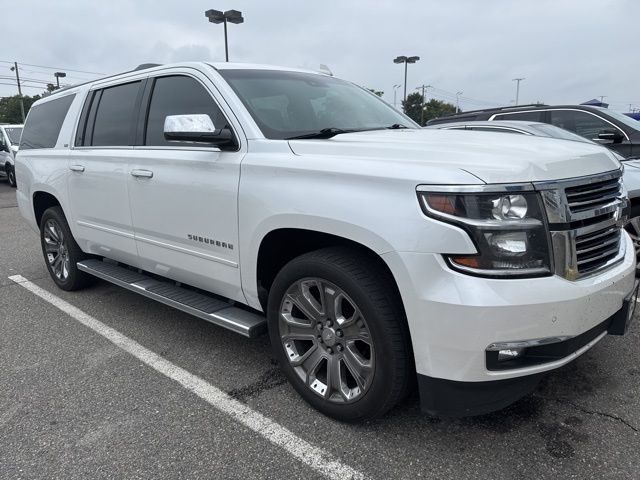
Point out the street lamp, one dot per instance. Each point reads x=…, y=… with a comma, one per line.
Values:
x=406, y=61
x=58, y=76
x=518, y=80
x=395, y=90
x=232, y=16
x=458, y=101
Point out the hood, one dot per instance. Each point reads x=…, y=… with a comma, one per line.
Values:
x=491, y=157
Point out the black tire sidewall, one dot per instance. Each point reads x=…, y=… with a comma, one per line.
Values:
x=11, y=176
x=76, y=278
x=375, y=398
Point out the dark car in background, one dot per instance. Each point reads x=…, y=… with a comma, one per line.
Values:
x=615, y=130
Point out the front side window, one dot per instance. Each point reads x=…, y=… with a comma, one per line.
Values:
x=288, y=104
x=179, y=95
x=535, y=116
x=44, y=123
x=584, y=124
x=114, y=117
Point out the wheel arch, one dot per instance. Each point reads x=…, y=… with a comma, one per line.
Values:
x=41, y=202
x=280, y=245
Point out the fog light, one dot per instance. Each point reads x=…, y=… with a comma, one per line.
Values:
x=510, y=354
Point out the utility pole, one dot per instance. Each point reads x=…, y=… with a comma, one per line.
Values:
x=15, y=68
x=602, y=97
x=518, y=80
x=423, y=87
x=458, y=101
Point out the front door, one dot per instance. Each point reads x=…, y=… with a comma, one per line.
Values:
x=183, y=195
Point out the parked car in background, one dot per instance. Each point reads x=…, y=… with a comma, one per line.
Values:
x=376, y=254
x=615, y=130
x=9, y=141
x=631, y=176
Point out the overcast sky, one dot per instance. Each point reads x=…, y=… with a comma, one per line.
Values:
x=569, y=51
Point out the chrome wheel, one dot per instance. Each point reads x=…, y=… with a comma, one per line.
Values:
x=56, y=250
x=633, y=229
x=327, y=340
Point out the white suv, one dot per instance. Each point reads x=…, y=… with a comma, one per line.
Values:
x=375, y=253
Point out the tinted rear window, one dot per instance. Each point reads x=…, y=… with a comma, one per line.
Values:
x=115, y=116
x=44, y=123
x=526, y=116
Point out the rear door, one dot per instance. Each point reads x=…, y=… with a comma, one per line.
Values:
x=99, y=200
x=183, y=195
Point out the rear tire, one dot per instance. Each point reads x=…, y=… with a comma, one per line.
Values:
x=336, y=310
x=11, y=175
x=61, y=252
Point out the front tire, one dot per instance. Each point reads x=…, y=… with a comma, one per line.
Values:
x=11, y=175
x=338, y=330
x=61, y=252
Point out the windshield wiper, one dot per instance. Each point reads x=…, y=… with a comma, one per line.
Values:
x=396, y=126
x=324, y=133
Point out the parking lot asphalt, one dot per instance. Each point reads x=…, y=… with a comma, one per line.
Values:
x=74, y=405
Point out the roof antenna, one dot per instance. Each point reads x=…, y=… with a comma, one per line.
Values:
x=326, y=70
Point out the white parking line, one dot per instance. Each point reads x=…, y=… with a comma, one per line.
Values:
x=316, y=458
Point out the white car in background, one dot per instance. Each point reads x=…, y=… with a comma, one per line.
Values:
x=631, y=176
x=9, y=141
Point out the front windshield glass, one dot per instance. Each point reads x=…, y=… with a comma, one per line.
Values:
x=288, y=104
x=621, y=117
x=14, y=134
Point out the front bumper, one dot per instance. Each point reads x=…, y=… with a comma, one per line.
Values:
x=453, y=317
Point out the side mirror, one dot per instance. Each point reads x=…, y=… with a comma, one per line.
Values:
x=610, y=136
x=196, y=128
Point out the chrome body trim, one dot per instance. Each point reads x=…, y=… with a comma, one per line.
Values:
x=536, y=342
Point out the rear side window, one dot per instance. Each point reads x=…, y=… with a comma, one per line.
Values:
x=114, y=116
x=526, y=116
x=179, y=95
x=44, y=123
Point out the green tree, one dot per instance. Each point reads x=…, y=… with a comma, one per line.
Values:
x=432, y=109
x=10, y=108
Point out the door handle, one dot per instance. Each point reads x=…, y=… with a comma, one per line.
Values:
x=76, y=168
x=142, y=173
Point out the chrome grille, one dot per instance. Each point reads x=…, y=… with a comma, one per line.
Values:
x=593, y=195
x=585, y=221
x=594, y=250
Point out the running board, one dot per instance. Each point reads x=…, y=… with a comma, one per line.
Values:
x=202, y=306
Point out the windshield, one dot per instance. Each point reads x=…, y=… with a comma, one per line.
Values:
x=14, y=134
x=289, y=104
x=557, y=132
x=621, y=117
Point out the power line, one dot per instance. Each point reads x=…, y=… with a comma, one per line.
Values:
x=55, y=68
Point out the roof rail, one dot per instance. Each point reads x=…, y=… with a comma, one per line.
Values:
x=142, y=66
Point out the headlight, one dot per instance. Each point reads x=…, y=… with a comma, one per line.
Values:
x=508, y=230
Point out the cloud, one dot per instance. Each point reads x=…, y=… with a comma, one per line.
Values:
x=569, y=51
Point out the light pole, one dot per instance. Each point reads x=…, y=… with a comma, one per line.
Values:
x=395, y=90
x=602, y=97
x=518, y=80
x=58, y=76
x=458, y=101
x=406, y=61
x=216, y=16
x=423, y=87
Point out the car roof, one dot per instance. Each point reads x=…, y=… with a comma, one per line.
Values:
x=151, y=67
